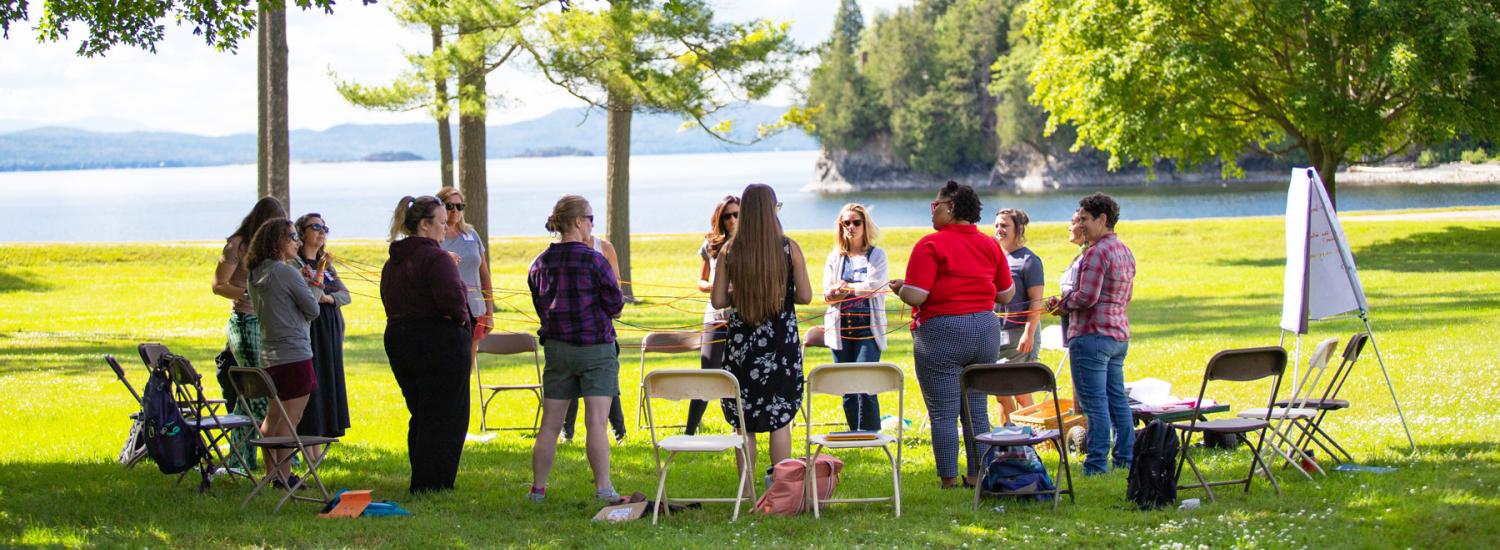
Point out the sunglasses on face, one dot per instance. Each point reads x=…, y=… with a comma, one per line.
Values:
x=294, y=237
x=778, y=206
x=590, y=218
x=451, y=206
x=317, y=227
x=730, y=216
x=853, y=223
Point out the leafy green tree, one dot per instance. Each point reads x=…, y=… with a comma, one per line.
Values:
x=842, y=110
x=656, y=55
x=848, y=25
x=1197, y=80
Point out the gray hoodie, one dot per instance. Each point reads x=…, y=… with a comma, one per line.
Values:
x=286, y=307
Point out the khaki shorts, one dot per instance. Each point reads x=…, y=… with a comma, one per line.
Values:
x=580, y=371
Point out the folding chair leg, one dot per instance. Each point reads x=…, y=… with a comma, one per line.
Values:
x=1275, y=446
x=739, y=489
x=661, y=491
x=1067, y=470
x=536, y=419
x=1256, y=461
x=895, y=478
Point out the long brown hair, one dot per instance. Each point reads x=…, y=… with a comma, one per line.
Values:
x=266, y=244
x=719, y=235
x=754, y=257
x=265, y=209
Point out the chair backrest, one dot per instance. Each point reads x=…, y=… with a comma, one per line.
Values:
x=507, y=343
x=846, y=378
x=151, y=352
x=1007, y=378
x=700, y=384
x=252, y=383
x=114, y=365
x=1355, y=346
x=1244, y=365
x=814, y=338
x=671, y=342
x=1317, y=364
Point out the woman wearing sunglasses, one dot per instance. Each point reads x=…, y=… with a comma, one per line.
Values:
x=473, y=264
x=722, y=225
x=854, y=325
x=327, y=412
x=286, y=306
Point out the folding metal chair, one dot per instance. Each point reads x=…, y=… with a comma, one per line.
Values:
x=845, y=378
x=1017, y=379
x=663, y=342
x=508, y=343
x=1239, y=365
x=684, y=384
x=1297, y=416
x=135, y=445
x=1329, y=401
x=251, y=383
x=151, y=353
x=203, y=413
x=814, y=339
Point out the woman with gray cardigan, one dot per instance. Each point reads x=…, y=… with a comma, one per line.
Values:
x=286, y=306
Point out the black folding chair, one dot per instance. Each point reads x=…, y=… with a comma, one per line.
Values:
x=1239, y=365
x=203, y=413
x=251, y=383
x=1008, y=379
x=135, y=444
x=1330, y=401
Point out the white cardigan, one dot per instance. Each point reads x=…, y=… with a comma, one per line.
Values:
x=833, y=275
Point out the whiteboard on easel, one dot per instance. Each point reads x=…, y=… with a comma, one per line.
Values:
x=1321, y=280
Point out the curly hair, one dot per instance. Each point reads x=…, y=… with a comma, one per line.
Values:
x=966, y=205
x=1099, y=204
x=266, y=244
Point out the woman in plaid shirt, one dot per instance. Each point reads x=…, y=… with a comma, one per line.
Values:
x=1099, y=333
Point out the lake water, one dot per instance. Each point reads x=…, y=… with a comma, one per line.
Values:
x=669, y=194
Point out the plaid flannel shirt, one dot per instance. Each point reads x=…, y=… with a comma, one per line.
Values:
x=575, y=294
x=1106, y=280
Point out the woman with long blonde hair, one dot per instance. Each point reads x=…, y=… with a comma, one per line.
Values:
x=763, y=276
x=854, y=325
x=461, y=239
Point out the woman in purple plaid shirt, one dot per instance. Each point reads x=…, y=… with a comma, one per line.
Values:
x=577, y=296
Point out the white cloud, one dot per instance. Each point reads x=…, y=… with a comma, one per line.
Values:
x=187, y=86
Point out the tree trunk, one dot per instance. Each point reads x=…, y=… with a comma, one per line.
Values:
x=440, y=95
x=617, y=186
x=471, y=171
x=272, y=153
x=1328, y=169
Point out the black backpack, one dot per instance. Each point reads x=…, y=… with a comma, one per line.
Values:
x=1153, y=471
x=170, y=441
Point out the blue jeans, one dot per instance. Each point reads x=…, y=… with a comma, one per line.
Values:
x=861, y=410
x=1098, y=367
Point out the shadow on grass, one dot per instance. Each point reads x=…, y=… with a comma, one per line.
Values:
x=1455, y=248
x=14, y=281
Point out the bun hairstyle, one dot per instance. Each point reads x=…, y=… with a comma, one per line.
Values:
x=266, y=243
x=569, y=208
x=410, y=212
x=966, y=205
x=1018, y=221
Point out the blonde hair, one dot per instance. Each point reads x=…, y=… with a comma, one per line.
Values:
x=410, y=211
x=568, y=209
x=755, y=259
x=442, y=196
x=871, y=234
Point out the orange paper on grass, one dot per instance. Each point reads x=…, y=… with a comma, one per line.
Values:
x=351, y=505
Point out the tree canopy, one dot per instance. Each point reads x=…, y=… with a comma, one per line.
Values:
x=1202, y=80
x=142, y=23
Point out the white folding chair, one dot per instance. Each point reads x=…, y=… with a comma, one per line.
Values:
x=815, y=338
x=685, y=384
x=1300, y=414
x=663, y=342
x=508, y=343
x=845, y=378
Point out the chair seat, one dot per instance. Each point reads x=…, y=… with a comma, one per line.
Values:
x=225, y=421
x=1279, y=414
x=289, y=442
x=880, y=440
x=701, y=443
x=1018, y=439
x=1228, y=426
x=1320, y=404
x=502, y=387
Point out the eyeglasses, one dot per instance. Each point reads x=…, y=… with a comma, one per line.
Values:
x=778, y=206
x=294, y=237
x=318, y=227
x=941, y=201
x=853, y=223
x=730, y=216
x=451, y=206
x=590, y=218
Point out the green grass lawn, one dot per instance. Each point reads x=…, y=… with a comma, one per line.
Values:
x=1202, y=286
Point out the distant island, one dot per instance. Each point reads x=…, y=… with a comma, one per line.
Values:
x=564, y=132
x=391, y=156
x=559, y=151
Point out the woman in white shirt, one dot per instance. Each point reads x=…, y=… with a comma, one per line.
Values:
x=855, y=323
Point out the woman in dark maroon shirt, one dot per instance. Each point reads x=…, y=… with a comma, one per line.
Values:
x=427, y=340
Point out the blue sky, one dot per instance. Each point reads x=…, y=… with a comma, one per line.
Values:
x=188, y=87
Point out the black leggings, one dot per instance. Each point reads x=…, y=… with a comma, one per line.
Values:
x=430, y=358
x=710, y=356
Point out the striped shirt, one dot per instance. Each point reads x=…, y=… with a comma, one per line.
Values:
x=575, y=294
x=1106, y=280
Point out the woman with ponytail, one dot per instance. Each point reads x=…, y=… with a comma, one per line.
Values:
x=427, y=337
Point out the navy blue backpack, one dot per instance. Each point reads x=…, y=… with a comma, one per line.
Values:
x=170, y=441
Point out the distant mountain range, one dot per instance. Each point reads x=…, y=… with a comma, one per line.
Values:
x=576, y=129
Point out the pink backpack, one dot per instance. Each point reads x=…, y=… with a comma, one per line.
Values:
x=785, y=496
